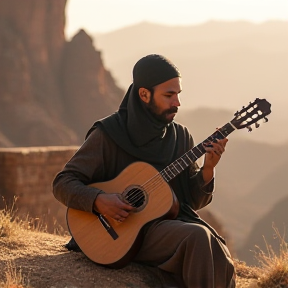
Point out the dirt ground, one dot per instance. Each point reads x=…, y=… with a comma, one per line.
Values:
x=42, y=261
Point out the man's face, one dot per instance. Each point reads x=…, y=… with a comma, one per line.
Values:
x=164, y=100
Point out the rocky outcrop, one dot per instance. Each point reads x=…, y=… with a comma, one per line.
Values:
x=89, y=91
x=35, y=72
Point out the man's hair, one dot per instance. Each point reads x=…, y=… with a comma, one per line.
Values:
x=152, y=70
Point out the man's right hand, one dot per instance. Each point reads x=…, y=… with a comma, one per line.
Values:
x=113, y=206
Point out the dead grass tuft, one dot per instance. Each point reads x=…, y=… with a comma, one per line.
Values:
x=244, y=271
x=273, y=270
x=15, y=278
x=9, y=222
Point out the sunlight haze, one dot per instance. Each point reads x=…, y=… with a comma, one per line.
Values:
x=104, y=16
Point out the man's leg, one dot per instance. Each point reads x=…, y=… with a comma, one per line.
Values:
x=189, y=251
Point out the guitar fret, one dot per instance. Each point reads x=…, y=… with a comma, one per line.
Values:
x=221, y=134
x=178, y=161
x=169, y=170
x=191, y=160
x=164, y=175
x=192, y=156
x=175, y=167
x=187, y=158
x=199, y=151
x=195, y=156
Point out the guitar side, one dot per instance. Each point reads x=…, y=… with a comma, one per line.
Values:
x=96, y=243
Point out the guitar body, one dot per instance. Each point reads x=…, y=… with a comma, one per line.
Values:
x=157, y=201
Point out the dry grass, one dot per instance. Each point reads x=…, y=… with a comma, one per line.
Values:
x=11, y=229
x=14, y=277
x=273, y=271
x=11, y=225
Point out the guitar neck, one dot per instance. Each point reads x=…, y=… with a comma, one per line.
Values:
x=180, y=164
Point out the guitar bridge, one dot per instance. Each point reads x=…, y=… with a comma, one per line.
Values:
x=105, y=223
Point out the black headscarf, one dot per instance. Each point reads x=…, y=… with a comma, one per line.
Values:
x=152, y=70
x=133, y=127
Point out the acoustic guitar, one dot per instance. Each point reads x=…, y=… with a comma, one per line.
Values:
x=114, y=244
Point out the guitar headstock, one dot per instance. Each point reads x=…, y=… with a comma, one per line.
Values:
x=251, y=114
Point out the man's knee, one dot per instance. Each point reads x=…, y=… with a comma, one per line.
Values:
x=200, y=232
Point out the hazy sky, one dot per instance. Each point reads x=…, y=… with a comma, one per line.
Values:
x=109, y=15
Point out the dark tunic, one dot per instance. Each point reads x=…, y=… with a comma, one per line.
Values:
x=99, y=159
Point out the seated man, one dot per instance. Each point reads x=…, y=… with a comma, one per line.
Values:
x=185, y=247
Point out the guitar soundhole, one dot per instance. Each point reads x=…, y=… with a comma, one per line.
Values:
x=136, y=197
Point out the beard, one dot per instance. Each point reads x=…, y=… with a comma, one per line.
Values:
x=163, y=116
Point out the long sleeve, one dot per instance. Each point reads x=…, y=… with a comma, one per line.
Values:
x=200, y=195
x=70, y=186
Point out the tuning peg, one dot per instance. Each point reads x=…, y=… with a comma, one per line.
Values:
x=249, y=128
x=236, y=113
x=265, y=119
x=257, y=125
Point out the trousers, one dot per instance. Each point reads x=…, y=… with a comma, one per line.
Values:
x=190, y=252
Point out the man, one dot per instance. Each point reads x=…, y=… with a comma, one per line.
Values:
x=185, y=248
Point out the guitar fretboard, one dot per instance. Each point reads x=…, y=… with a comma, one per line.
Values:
x=180, y=164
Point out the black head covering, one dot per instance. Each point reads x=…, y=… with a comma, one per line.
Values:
x=152, y=70
x=133, y=128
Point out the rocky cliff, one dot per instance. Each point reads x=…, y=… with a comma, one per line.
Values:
x=51, y=90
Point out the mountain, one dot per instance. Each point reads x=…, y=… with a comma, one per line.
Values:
x=51, y=90
x=224, y=65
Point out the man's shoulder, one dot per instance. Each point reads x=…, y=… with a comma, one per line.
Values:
x=99, y=124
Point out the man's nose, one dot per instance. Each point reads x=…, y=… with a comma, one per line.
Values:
x=177, y=101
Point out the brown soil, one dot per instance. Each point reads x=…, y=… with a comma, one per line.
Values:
x=45, y=263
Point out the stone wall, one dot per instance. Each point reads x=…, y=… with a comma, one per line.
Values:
x=27, y=173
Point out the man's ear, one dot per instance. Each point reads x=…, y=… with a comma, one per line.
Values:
x=145, y=95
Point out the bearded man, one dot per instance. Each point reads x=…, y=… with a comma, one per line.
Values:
x=185, y=249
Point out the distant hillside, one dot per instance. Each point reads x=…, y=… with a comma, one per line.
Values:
x=263, y=231
x=244, y=180
x=224, y=64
